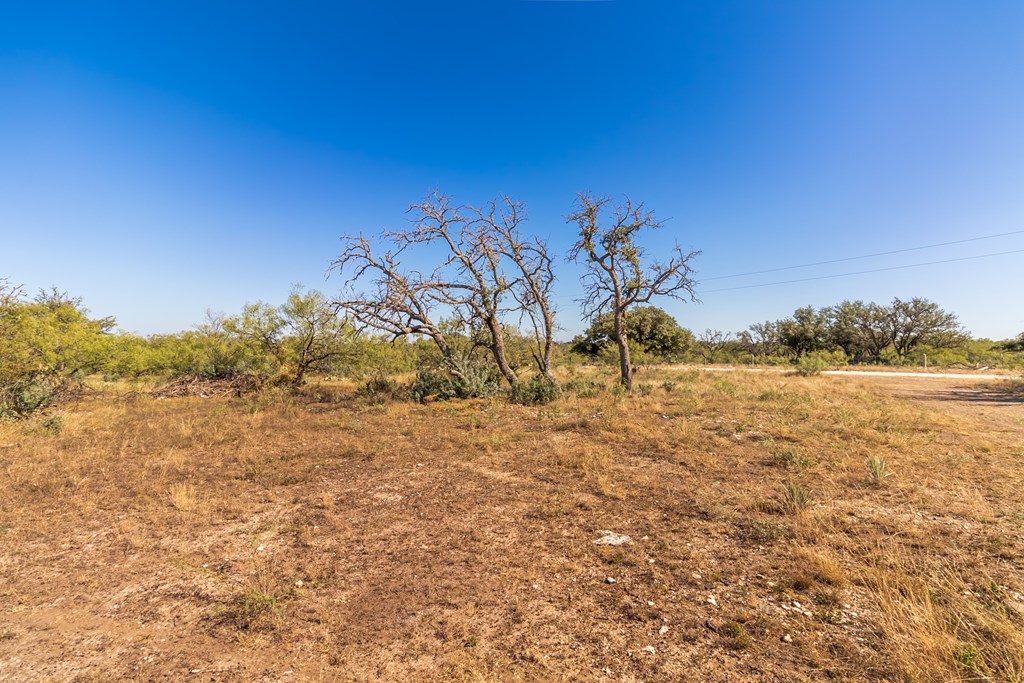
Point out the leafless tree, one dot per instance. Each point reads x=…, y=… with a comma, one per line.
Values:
x=710, y=342
x=383, y=296
x=619, y=274
x=9, y=293
x=489, y=272
x=532, y=274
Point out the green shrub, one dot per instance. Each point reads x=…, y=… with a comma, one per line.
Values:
x=378, y=389
x=816, y=362
x=25, y=396
x=465, y=381
x=52, y=425
x=643, y=389
x=539, y=390
x=583, y=387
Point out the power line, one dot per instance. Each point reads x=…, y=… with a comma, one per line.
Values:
x=863, y=272
x=855, y=258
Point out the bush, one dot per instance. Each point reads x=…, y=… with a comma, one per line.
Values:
x=643, y=389
x=25, y=396
x=582, y=387
x=378, y=389
x=539, y=390
x=471, y=381
x=816, y=362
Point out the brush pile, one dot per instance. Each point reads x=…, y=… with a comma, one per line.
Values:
x=205, y=387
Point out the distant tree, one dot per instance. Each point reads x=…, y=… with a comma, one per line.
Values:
x=921, y=322
x=656, y=332
x=1015, y=344
x=710, y=342
x=863, y=331
x=618, y=273
x=805, y=332
x=761, y=339
x=300, y=335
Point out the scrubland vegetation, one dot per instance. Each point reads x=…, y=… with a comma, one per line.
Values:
x=414, y=480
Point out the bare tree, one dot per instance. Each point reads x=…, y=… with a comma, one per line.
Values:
x=489, y=272
x=761, y=339
x=710, y=342
x=619, y=275
x=383, y=296
x=533, y=276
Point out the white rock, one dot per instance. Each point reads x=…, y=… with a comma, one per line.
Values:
x=612, y=538
x=787, y=638
x=610, y=579
x=298, y=584
x=663, y=630
x=712, y=600
x=649, y=649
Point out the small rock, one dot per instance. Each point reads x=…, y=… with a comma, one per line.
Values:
x=797, y=604
x=787, y=638
x=610, y=579
x=299, y=583
x=261, y=548
x=650, y=603
x=663, y=630
x=712, y=600
x=612, y=538
x=649, y=649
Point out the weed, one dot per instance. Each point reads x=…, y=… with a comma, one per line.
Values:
x=739, y=638
x=254, y=606
x=52, y=425
x=795, y=497
x=643, y=389
x=669, y=386
x=877, y=469
x=792, y=459
x=183, y=497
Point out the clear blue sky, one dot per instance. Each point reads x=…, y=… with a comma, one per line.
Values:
x=162, y=160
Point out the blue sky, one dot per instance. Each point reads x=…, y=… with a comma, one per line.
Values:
x=159, y=161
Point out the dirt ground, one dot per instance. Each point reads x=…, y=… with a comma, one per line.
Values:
x=331, y=538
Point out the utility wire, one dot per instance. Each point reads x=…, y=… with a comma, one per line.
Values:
x=855, y=258
x=863, y=272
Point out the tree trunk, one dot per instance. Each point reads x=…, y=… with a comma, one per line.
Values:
x=625, y=367
x=498, y=349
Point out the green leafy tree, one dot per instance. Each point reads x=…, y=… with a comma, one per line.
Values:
x=653, y=330
x=921, y=322
x=303, y=334
x=863, y=331
x=806, y=331
x=44, y=343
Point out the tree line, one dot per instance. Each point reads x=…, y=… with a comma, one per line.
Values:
x=462, y=295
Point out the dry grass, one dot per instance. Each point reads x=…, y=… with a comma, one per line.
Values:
x=242, y=538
